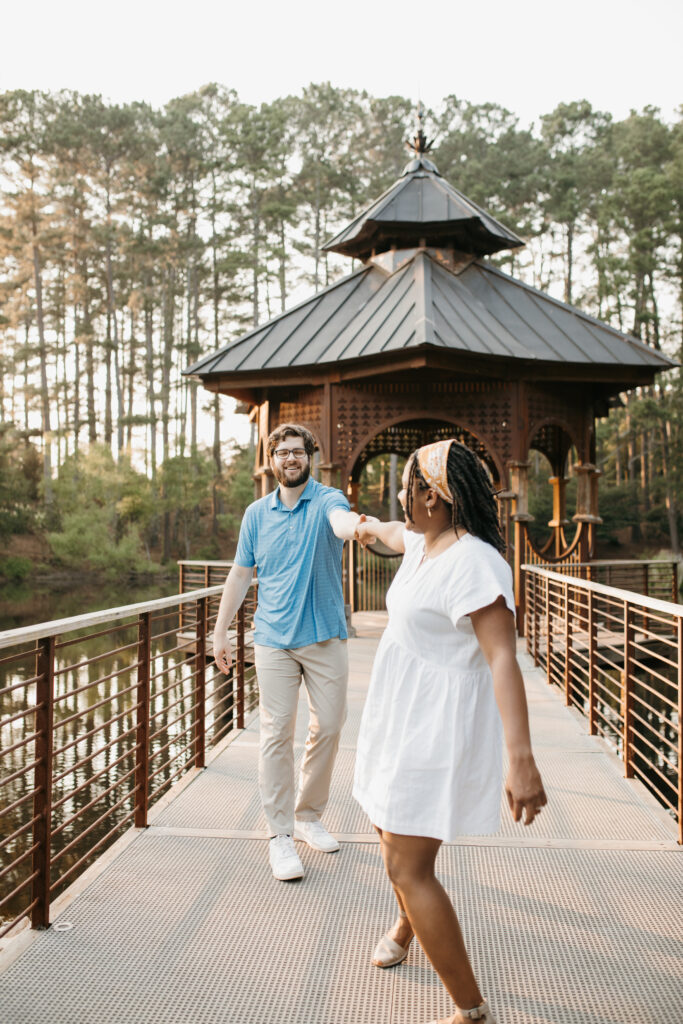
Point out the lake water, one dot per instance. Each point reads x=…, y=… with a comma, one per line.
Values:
x=24, y=604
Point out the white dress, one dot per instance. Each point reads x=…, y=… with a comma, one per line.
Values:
x=429, y=759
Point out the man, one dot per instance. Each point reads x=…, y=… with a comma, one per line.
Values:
x=294, y=537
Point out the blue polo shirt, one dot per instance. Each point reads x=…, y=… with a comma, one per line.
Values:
x=298, y=563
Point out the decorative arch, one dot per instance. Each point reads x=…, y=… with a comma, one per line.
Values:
x=554, y=438
x=403, y=435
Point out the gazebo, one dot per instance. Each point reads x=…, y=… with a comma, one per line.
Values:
x=428, y=339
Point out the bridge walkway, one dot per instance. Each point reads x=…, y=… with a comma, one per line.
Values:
x=575, y=919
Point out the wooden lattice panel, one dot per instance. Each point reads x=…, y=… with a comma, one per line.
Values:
x=483, y=411
x=306, y=408
x=552, y=415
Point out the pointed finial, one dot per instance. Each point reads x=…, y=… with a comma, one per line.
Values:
x=419, y=144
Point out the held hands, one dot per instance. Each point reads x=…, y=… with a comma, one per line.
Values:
x=364, y=534
x=524, y=789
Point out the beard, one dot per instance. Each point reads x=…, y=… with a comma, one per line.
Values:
x=289, y=478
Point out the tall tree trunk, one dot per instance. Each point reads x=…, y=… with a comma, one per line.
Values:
x=132, y=352
x=44, y=392
x=669, y=492
x=216, y=449
x=644, y=464
x=215, y=490
x=151, y=395
x=168, y=305
x=195, y=355
x=76, y=345
x=393, y=487
x=256, y=229
x=316, y=275
x=570, y=263
x=639, y=305
x=282, y=267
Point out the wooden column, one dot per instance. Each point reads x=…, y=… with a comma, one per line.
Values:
x=519, y=485
x=559, y=520
x=587, y=508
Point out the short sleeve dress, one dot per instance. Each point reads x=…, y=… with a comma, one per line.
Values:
x=429, y=759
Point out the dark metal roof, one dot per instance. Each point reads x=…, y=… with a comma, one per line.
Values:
x=421, y=205
x=476, y=311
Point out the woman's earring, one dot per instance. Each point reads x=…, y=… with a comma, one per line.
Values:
x=429, y=511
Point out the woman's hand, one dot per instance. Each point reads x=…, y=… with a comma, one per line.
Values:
x=524, y=789
x=364, y=532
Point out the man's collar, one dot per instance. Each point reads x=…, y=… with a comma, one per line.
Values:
x=306, y=495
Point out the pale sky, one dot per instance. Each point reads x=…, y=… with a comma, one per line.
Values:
x=527, y=55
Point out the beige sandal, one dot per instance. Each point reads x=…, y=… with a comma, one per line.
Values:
x=388, y=953
x=481, y=1013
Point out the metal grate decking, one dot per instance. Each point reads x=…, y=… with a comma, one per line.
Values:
x=576, y=919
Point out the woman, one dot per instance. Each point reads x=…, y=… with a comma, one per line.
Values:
x=429, y=764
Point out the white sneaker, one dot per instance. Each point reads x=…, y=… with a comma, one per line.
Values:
x=284, y=860
x=316, y=835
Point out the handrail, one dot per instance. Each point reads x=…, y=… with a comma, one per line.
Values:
x=25, y=634
x=94, y=730
x=653, y=603
x=222, y=562
x=618, y=562
x=617, y=657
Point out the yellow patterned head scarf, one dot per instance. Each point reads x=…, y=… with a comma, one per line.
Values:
x=433, y=462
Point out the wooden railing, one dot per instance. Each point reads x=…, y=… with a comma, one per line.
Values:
x=652, y=578
x=195, y=575
x=617, y=657
x=99, y=715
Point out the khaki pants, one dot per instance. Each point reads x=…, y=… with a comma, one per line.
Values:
x=324, y=667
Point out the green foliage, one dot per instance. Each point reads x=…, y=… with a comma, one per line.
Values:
x=15, y=569
x=237, y=490
x=374, y=486
x=103, y=507
x=20, y=472
x=87, y=542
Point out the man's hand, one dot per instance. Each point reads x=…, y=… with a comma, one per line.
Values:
x=364, y=534
x=222, y=654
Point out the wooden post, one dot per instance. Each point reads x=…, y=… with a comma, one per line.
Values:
x=537, y=623
x=549, y=631
x=239, y=667
x=679, y=637
x=591, y=664
x=567, y=641
x=200, y=685
x=627, y=694
x=142, y=730
x=559, y=519
x=42, y=785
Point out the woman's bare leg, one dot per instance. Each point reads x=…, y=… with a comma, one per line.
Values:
x=401, y=931
x=409, y=863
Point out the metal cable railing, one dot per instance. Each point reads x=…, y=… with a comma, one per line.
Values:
x=617, y=656
x=99, y=715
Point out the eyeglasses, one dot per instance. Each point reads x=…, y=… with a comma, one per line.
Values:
x=284, y=453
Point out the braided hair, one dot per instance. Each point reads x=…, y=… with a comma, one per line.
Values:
x=474, y=505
